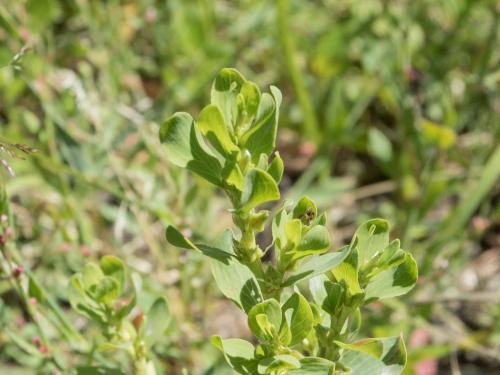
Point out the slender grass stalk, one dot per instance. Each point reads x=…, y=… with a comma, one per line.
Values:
x=311, y=126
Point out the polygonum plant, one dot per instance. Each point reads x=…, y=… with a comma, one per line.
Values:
x=98, y=293
x=298, y=330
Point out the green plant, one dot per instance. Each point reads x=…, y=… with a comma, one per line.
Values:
x=98, y=293
x=299, y=330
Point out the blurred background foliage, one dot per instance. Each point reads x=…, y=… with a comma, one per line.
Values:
x=391, y=108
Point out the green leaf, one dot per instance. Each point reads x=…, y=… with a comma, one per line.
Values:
x=225, y=89
x=305, y=210
x=276, y=168
x=314, y=366
x=317, y=265
x=259, y=188
x=260, y=138
x=114, y=267
x=238, y=353
x=232, y=176
x=347, y=272
x=272, y=311
x=175, y=237
x=370, y=238
x=157, y=321
x=335, y=296
x=185, y=148
x=315, y=241
x=251, y=93
x=379, y=145
x=34, y=290
x=394, y=281
x=91, y=275
x=211, y=123
x=374, y=347
x=237, y=283
x=391, y=362
x=106, y=290
x=298, y=315
x=276, y=363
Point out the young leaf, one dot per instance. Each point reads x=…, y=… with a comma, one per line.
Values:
x=186, y=149
x=347, y=272
x=113, y=267
x=275, y=169
x=315, y=241
x=261, y=137
x=370, y=238
x=211, y=123
x=227, y=85
x=259, y=187
x=238, y=353
x=277, y=364
x=272, y=311
x=317, y=265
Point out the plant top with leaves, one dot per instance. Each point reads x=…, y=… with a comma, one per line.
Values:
x=299, y=330
x=98, y=294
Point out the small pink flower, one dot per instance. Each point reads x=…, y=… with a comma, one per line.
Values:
x=43, y=349
x=32, y=301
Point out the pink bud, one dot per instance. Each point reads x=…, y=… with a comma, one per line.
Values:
x=32, y=301
x=18, y=271
x=85, y=250
x=43, y=349
x=36, y=341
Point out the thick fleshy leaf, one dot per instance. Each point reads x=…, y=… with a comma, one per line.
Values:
x=391, y=362
x=374, y=347
x=314, y=366
x=370, y=238
x=276, y=168
x=237, y=283
x=211, y=124
x=238, y=353
x=185, y=148
x=335, y=295
x=305, y=210
x=347, y=272
x=261, y=137
x=106, y=290
x=272, y=311
x=225, y=89
x=91, y=275
x=299, y=317
x=278, y=362
x=259, y=188
x=232, y=176
x=157, y=321
x=315, y=241
x=317, y=265
x=113, y=267
x=394, y=281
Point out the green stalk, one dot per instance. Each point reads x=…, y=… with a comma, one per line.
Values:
x=310, y=121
